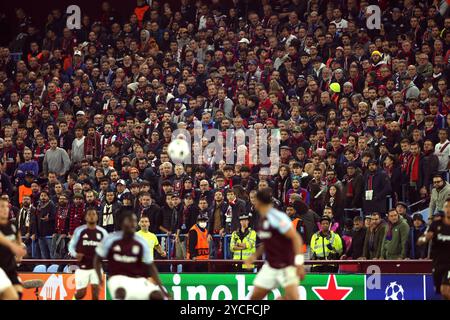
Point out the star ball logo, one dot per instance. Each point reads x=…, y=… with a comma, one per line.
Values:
x=332, y=291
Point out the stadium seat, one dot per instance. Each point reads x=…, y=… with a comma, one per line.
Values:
x=53, y=268
x=71, y=268
x=39, y=268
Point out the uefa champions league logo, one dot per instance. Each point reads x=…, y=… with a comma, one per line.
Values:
x=394, y=291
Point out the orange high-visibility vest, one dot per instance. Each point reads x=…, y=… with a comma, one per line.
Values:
x=202, y=246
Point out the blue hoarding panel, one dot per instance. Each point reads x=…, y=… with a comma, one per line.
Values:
x=397, y=287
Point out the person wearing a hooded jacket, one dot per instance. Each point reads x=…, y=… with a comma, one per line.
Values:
x=395, y=237
x=415, y=251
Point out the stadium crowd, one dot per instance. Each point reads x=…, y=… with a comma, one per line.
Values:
x=362, y=114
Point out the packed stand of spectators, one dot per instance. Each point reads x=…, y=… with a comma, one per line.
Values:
x=363, y=116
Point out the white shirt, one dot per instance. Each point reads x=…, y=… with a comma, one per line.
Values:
x=343, y=24
x=443, y=155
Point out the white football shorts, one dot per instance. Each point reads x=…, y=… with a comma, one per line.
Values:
x=135, y=288
x=4, y=281
x=270, y=278
x=84, y=277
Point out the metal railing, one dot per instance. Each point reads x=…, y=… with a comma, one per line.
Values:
x=213, y=265
x=167, y=243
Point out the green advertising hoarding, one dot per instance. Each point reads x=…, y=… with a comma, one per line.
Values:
x=187, y=286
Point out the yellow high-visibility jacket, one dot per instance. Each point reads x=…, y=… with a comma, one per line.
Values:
x=326, y=248
x=250, y=242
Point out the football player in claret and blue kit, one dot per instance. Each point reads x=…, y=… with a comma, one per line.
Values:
x=283, y=247
x=131, y=271
x=11, y=248
x=82, y=246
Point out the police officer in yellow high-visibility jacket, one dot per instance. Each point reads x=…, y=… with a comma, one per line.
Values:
x=325, y=245
x=243, y=242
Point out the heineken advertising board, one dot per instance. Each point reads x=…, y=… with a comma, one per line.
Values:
x=239, y=287
x=191, y=286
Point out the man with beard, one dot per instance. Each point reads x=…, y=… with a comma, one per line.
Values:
x=91, y=200
x=376, y=187
x=76, y=213
x=61, y=227
x=430, y=164
x=43, y=224
x=107, y=138
x=23, y=221
x=217, y=224
x=439, y=193
x=92, y=143
x=107, y=218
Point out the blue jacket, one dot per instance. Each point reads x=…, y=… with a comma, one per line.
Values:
x=32, y=166
x=413, y=250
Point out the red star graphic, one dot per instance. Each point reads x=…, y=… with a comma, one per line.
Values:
x=331, y=291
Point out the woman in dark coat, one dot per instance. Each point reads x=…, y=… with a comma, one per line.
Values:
x=282, y=182
x=333, y=199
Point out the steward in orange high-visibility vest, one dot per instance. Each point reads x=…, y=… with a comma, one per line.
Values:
x=197, y=241
x=292, y=211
